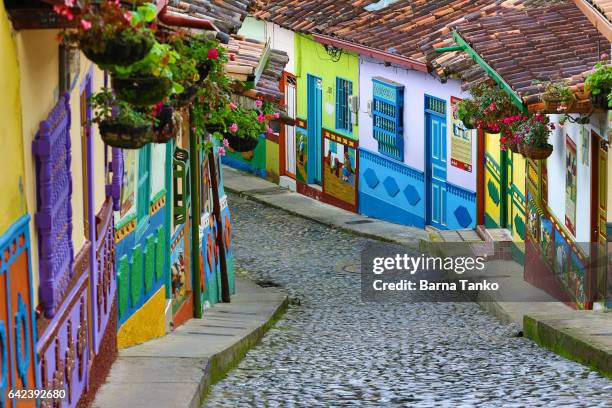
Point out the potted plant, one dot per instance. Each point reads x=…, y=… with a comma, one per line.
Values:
x=119, y=124
x=557, y=96
x=467, y=111
x=533, y=132
x=599, y=84
x=493, y=105
x=108, y=34
x=149, y=80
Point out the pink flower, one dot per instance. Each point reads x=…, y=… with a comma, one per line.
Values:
x=69, y=3
x=233, y=128
x=276, y=115
x=225, y=143
x=269, y=131
x=232, y=106
x=128, y=16
x=213, y=54
x=261, y=118
x=85, y=25
x=492, y=107
x=259, y=103
x=221, y=151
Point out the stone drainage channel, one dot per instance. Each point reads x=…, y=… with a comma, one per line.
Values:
x=333, y=349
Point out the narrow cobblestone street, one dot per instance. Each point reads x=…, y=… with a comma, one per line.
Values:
x=332, y=349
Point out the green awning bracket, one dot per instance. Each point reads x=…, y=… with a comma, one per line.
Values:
x=516, y=99
x=449, y=49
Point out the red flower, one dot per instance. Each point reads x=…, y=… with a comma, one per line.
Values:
x=213, y=54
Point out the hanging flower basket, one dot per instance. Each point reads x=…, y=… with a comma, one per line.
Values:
x=469, y=123
x=142, y=91
x=537, y=153
x=554, y=104
x=600, y=101
x=121, y=50
x=241, y=144
x=125, y=136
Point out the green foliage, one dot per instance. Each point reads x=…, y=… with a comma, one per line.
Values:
x=600, y=81
x=467, y=110
x=107, y=108
x=161, y=62
x=492, y=105
x=98, y=23
x=556, y=91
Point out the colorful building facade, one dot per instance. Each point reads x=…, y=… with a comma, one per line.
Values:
x=417, y=161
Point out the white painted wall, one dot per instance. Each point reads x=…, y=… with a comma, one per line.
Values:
x=556, y=171
x=281, y=39
x=417, y=84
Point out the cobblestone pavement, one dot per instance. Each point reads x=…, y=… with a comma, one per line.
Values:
x=332, y=349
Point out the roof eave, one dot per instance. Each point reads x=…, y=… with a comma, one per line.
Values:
x=599, y=21
x=398, y=60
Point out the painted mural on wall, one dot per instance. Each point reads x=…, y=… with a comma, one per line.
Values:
x=178, y=269
x=301, y=147
x=461, y=141
x=127, y=188
x=340, y=168
x=571, y=184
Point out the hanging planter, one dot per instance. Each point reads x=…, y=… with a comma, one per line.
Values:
x=557, y=96
x=107, y=34
x=121, y=50
x=119, y=124
x=125, y=136
x=600, y=101
x=142, y=91
x=241, y=144
x=537, y=152
x=599, y=85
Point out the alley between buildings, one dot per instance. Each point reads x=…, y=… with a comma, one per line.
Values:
x=333, y=349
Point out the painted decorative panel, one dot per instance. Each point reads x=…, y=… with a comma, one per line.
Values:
x=301, y=154
x=17, y=324
x=51, y=148
x=390, y=190
x=254, y=162
x=104, y=278
x=461, y=207
x=63, y=346
x=340, y=170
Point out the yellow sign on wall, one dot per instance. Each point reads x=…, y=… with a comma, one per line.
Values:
x=461, y=141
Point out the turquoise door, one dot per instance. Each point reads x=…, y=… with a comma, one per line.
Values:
x=435, y=117
x=315, y=100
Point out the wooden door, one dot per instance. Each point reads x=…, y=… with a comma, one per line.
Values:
x=599, y=212
x=436, y=163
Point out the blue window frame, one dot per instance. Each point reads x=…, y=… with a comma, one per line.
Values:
x=388, y=117
x=144, y=183
x=344, y=89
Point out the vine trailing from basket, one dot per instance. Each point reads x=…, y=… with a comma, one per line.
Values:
x=599, y=85
x=108, y=34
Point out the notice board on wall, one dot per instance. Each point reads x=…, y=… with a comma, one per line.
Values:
x=461, y=141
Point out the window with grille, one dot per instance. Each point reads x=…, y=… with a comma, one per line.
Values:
x=144, y=182
x=344, y=89
x=388, y=117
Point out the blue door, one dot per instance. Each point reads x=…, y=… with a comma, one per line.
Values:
x=315, y=99
x=435, y=118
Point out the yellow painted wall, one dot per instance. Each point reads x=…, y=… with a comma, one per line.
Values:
x=492, y=177
x=38, y=53
x=272, y=159
x=12, y=200
x=145, y=324
x=518, y=204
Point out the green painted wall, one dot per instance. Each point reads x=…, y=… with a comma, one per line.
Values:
x=311, y=58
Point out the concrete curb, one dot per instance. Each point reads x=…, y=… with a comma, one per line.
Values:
x=573, y=343
x=223, y=362
x=177, y=370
